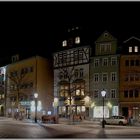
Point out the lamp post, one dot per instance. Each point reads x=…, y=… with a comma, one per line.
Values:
x=36, y=96
x=103, y=93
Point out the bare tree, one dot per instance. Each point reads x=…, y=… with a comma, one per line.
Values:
x=70, y=77
x=17, y=81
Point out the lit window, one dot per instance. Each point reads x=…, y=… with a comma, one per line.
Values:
x=136, y=48
x=83, y=109
x=64, y=43
x=130, y=49
x=3, y=96
x=77, y=92
x=77, y=40
x=82, y=92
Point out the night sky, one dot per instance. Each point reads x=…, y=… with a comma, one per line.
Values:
x=36, y=27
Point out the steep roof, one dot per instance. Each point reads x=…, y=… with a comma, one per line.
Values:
x=131, y=38
x=105, y=36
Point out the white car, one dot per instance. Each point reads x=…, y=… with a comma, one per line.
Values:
x=121, y=120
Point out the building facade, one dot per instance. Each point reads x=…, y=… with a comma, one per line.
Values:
x=130, y=78
x=71, y=77
x=104, y=75
x=24, y=78
x=2, y=90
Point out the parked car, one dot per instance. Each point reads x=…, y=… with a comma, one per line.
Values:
x=120, y=120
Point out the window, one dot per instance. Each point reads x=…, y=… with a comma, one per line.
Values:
x=77, y=92
x=105, y=34
x=108, y=47
x=132, y=76
x=64, y=58
x=82, y=92
x=3, y=96
x=104, y=78
x=113, y=76
x=113, y=61
x=96, y=77
x=30, y=85
x=75, y=55
x=137, y=77
x=77, y=40
x=136, y=49
x=31, y=69
x=132, y=62
x=80, y=54
x=105, y=47
x=137, y=62
x=126, y=62
x=126, y=78
x=130, y=49
x=76, y=73
x=96, y=62
x=14, y=74
x=63, y=91
x=113, y=93
x=15, y=58
x=126, y=93
x=80, y=89
x=131, y=93
x=136, y=93
x=105, y=62
x=64, y=43
x=70, y=42
x=25, y=70
x=65, y=75
x=60, y=60
x=81, y=73
x=61, y=75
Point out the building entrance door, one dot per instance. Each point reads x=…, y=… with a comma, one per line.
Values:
x=125, y=111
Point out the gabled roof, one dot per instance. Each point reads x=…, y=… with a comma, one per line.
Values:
x=105, y=36
x=133, y=37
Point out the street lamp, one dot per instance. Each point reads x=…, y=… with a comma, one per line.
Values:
x=103, y=93
x=36, y=96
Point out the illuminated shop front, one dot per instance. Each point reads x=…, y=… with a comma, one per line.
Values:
x=98, y=111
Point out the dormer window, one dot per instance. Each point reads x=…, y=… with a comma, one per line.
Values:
x=64, y=43
x=130, y=49
x=136, y=49
x=77, y=40
x=105, y=34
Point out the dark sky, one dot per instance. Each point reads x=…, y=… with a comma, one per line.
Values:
x=31, y=27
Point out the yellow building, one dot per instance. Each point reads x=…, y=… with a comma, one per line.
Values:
x=24, y=78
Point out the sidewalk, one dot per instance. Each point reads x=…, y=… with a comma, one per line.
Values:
x=67, y=121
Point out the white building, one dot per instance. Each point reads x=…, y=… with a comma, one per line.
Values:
x=71, y=77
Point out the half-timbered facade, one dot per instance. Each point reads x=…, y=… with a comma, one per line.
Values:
x=71, y=78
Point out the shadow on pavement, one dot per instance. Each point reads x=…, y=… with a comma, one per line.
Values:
x=101, y=134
